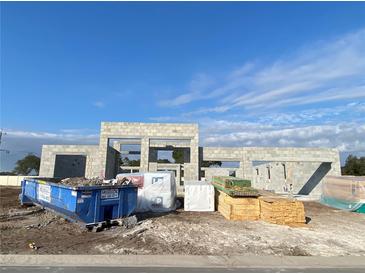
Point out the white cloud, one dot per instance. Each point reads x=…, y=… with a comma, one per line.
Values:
x=99, y=104
x=344, y=136
x=347, y=137
x=76, y=130
x=356, y=92
x=196, y=90
x=162, y=118
x=180, y=100
x=63, y=136
x=21, y=143
x=355, y=109
x=325, y=71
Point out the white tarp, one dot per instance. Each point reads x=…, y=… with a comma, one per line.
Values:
x=156, y=190
x=199, y=196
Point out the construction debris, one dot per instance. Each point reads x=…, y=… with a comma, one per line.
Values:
x=33, y=246
x=129, y=222
x=82, y=181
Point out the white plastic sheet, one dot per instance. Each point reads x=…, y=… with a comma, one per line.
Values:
x=156, y=190
x=199, y=196
x=344, y=192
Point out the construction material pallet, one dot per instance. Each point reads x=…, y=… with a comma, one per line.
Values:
x=238, y=208
x=230, y=182
x=283, y=211
x=271, y=208
x=238, y=191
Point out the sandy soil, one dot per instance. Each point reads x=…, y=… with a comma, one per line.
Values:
x=330, y=232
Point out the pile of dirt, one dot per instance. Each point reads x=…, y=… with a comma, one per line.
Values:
x=44, y=219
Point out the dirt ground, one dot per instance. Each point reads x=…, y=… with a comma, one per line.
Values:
x=330, y=232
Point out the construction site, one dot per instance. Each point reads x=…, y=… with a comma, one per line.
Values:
x=149, y=147
x=330, y=232
x=151, y=189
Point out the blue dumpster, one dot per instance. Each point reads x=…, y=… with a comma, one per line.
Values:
x=87, y=204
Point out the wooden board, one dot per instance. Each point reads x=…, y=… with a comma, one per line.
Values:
x=237, y=191
x=229, y=182
x=280, y=210
x=238, y=208
x=270, y=208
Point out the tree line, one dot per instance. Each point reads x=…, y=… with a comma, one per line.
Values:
x=26, y=166
x=354, y=166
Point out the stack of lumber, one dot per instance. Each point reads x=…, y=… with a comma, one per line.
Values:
x=229, y=181
x=238, y=208
x=235, y=200
x=234, y=187
x=282, y=211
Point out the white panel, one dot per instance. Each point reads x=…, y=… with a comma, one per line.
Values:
x=199, y=196
x=44, y=193
x=158, y=193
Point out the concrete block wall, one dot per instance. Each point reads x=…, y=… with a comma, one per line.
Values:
x=219, y=171
x=275, y=154
x=222, y=153
x=146, y=131
x=297, y=175
x=152, y=167
x=49, y=153
x=312, y=161
x=154, y=142
x=291, y=154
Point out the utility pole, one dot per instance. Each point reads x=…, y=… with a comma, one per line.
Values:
x=1, y=135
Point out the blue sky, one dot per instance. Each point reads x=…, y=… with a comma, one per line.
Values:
x=251, y=74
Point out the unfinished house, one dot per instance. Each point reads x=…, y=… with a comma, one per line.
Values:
x=140, y=147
